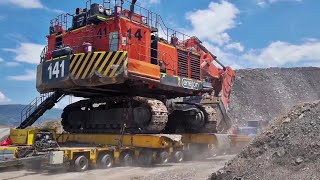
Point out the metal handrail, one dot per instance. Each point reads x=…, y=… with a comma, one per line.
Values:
x=43, y=54
x=159, y=22
x=32, y=106
x=152, y=19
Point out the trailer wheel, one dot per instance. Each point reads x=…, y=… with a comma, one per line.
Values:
x=81, y=163
x=178, y=156
x=146, y=158
x=126, y=159
x=164, y=157
x=105, y=161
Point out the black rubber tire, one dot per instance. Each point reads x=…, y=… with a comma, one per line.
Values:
x=163, y=157
x=178, y=156
x=105, y=161
x=146, y=158
x=81, y=163
x=126, y=159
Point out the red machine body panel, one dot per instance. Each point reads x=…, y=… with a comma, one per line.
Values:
x=118, y=61
x=105, y=42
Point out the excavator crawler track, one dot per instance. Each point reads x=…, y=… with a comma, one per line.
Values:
x=110, y=115
x=210, y=125
x=189, y=117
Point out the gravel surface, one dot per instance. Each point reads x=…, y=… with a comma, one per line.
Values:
x=181, y=171
x=289, y=148
x=263, y=94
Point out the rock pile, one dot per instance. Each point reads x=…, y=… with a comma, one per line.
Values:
x=289, y=148
x=262, y=94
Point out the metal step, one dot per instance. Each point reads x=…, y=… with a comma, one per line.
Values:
x=32, y=112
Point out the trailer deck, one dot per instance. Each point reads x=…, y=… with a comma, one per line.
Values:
x=81, y=151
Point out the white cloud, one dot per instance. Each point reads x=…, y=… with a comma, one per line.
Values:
x=280, y=53
x=154, y=1
x=263, y=3
x=211, y=26
x=3, y=98
x=58, y=11
x=225, y=57
x=212, y=23
x=146, y=3
x=235, y=46
x=276, y=54
x=27, y=52
x=12, y=64
x=29, y=4
x=28, y=76
x=313, y=64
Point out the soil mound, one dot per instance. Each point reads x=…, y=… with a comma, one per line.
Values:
x=263, y=94
x=289, y=148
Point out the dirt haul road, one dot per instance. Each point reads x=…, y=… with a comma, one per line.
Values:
x=187, y=170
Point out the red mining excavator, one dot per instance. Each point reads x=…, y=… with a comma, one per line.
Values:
x=133, y=72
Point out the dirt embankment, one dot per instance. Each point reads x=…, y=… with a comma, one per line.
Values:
x=289, y=148
x=263, y=94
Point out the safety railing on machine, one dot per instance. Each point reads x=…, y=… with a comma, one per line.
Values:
x=43, y=54
x=33, y=111
x=33, y=105
x=148, y=18
x=154, y=20
x=65, y=20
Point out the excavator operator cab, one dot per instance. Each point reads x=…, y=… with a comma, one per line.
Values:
x=95, y=15
x=79, y=19
x=82, y=17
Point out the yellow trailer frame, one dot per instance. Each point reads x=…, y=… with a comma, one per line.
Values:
x=92, y=145
x=155, y=146
x=137, y=140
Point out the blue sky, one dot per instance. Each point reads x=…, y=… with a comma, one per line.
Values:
x=243, y=34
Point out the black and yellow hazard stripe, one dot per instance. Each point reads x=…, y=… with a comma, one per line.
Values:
x=106, y=64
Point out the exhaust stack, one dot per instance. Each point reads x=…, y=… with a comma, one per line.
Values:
x=133, y=2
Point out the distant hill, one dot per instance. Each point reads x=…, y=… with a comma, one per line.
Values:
x=10, y=114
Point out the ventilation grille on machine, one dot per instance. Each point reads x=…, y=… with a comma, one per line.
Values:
x=195, y=66
x=183, y=65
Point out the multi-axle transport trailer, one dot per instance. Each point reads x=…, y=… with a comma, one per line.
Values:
x=46, y=148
